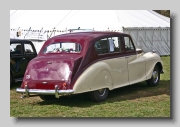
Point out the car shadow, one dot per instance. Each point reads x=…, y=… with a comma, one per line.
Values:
x=139, y=90
x=130, y=92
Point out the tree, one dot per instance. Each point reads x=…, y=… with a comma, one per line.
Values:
x=163, y=12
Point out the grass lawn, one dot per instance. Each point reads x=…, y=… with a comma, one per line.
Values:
x=137, y=100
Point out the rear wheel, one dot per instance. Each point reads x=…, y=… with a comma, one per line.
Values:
x=154, y=80
x=99, y=95
x=47, y=97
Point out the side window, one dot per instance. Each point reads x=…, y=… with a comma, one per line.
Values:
x=115, y=44
x=16, y=49
x=108, y=45
x=102, y=46
x=128, y=44
x=28, y=48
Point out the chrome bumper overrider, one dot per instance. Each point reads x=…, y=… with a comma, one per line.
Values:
x=55, y=92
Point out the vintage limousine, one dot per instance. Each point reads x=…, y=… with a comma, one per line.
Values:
x=93, y=62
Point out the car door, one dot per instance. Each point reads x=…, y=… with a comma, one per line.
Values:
x=17, y=61
x=29, y=52
x=136, y=63
x=110, y=49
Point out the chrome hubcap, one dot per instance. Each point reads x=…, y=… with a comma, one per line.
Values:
x=102, y=92
x=155, y=75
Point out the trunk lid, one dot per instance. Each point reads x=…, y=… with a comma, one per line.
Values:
x=51, y=68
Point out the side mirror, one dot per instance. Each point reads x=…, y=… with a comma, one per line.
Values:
x=139, y=51
x=153, y=51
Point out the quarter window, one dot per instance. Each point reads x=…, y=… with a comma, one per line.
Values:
x=28, y=49
x=128, y=44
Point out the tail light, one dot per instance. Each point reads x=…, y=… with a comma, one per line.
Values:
x=64, y=85
x=24, y=83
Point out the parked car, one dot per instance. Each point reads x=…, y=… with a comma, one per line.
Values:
x=93, y=62
x=21, y=52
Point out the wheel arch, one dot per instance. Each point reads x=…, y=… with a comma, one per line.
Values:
x=160, y=66
x=155, y=77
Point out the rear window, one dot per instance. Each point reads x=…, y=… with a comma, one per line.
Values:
x=63, y=47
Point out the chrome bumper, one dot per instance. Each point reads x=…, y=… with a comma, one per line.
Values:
x=55, y=92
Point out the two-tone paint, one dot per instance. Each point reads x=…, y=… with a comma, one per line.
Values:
x=87, y=71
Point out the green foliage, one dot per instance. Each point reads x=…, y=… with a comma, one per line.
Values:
x=163, y=12
x=136, y=100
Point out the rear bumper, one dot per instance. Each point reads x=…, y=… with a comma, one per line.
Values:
x=55, y=92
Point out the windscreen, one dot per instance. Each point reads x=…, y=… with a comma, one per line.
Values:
x=63, y=47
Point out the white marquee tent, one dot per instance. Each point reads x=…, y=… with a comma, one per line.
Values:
x=148, y=29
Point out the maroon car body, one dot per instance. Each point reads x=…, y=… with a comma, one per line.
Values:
x=55, y=73
x=76, y=63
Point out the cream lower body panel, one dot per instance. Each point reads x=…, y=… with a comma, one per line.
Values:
x=137, y=68
x=110, y=73
x=116, y=72
x=95, y=77
x=119, y=71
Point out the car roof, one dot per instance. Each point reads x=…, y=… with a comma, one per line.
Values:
x=88, y=34
x=19, y=40
x=83, y=38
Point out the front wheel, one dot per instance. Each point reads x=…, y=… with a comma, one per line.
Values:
x=99, y=95
x=154, y=80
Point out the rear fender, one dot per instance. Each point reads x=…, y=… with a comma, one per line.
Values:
x=95, y=77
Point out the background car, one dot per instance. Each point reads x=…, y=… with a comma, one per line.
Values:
x=21, y=52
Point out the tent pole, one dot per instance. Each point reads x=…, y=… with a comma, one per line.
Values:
x=40, y=33
x=27, y=32
x=52, y=32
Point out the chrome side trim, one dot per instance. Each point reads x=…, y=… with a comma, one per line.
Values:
x=55, y=92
